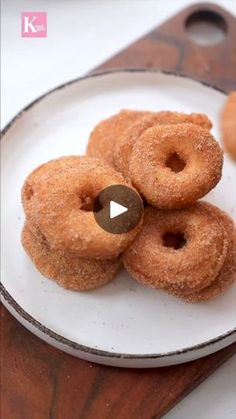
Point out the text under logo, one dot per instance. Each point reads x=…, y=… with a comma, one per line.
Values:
x=34, y=24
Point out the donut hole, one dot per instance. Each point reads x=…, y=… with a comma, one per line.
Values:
x=175, y=163
x=101, y=204
x=29, y=192
x=43, y=239
x=175, y=240
x=87, y=203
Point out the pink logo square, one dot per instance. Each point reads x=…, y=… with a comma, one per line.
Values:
x=34, y=24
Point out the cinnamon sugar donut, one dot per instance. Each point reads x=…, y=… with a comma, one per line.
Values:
x=182, y=249
x=227, y=273
x=228, y=125
x=58, y=201
x=107, y=133
x=124, y=147
x=66, y=269
x=151, y=168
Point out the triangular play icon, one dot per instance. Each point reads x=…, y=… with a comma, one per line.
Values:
x=116, y=209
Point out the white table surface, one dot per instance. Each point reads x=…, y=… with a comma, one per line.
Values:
x=81, y=35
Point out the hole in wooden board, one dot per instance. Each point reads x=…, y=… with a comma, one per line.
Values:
x=206, y=28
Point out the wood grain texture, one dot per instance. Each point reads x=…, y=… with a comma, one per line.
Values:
x=168, y=47
x=37, y=380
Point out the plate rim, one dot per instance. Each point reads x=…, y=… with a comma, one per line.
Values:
x=38, y=325
x=99, y=352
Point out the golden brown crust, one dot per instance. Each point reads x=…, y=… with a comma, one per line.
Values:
x=172, y=159
x=159, y=184
x=228, y=125
x=227, y=274
x=124, y=147
x=190, y=268
x=107, y=133
x=66, y=269
x=54, y=196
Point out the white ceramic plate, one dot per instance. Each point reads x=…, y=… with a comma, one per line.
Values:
x=123, y=323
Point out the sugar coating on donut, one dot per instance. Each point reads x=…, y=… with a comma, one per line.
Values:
x=107, y=133
x=161, y=185
x=227, y=274
x=58, y=199
x=192, y=265
x=66, y=269
x=228, y=125
x=124, y=147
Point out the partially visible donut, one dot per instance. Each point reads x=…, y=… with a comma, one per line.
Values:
x=182, y=249
x=228, y=125
x=124, y=147
x=107, y=133
x=66, y=269
x=58, y=201
x=152, y=172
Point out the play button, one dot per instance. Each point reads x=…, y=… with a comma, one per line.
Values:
x=118, y=209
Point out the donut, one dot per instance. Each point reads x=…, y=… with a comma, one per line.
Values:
x=58, y=201
x=124, y=147
x=107, y=133
x=228, y=125
x=178, y=249
x=66, y=269
x=199, y=157
x=227, y=274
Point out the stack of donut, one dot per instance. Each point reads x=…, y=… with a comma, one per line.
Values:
x=186, y=247
x=181, y=245
x=60, y=234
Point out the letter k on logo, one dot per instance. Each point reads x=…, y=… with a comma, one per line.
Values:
x=34, y=24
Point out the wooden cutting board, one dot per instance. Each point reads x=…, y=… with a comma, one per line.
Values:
x=169, y=47
x=39, y=381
